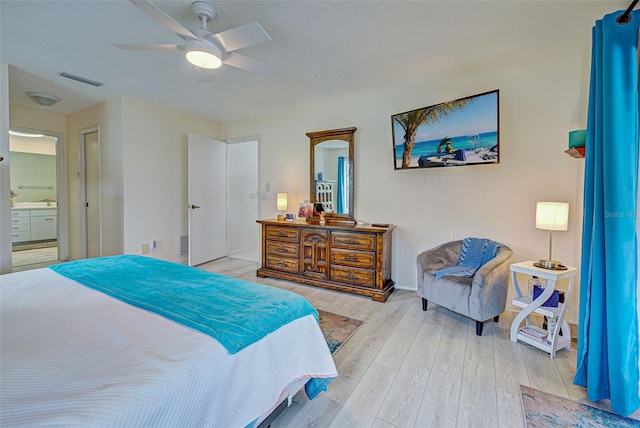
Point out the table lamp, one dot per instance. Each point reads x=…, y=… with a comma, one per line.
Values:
x=552, y=216
x=281, y=205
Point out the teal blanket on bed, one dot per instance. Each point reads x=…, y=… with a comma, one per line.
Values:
x=236, y=313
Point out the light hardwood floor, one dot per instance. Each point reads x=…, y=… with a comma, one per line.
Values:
x=31, y=259
x=409, y=368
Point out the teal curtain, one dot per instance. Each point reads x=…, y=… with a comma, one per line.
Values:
x=607, y=358
x=341, y=196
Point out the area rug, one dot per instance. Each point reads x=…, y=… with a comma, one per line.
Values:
x=547, y=410
x=337, y=329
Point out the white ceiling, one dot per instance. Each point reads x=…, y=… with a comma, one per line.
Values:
x=321, y=48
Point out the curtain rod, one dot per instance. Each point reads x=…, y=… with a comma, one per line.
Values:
x=624, y=18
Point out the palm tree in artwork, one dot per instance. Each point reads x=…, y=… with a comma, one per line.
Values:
x=412, y=120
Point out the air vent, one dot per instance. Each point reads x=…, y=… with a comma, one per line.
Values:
x=183, y=251
x=79, y=78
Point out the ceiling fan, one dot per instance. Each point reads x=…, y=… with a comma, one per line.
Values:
x=204, y=49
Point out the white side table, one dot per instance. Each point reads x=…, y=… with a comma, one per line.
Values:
x=555, y=341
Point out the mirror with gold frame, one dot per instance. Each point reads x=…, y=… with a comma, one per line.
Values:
x=331, y=173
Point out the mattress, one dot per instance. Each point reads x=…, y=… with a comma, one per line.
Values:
x=72, y=356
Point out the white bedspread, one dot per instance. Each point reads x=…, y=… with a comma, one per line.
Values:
x=73, y=356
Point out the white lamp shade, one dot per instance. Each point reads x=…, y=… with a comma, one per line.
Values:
x=552, y=215
x=281, y=201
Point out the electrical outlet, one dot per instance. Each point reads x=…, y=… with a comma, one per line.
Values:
x=145, y=248
x=451, y=238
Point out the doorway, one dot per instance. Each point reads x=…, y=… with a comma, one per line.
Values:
x=244, y=201
x=34, y=177
x=91, y=192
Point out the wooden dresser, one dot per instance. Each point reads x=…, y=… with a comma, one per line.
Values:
x=355, y=259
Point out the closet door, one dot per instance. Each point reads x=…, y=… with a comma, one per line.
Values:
x=207, y=181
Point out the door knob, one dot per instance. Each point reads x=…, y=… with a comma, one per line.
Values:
x=193, y=207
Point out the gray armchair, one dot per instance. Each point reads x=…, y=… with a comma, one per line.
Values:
x=480, y=297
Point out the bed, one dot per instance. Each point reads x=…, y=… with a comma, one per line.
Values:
x=75, y=352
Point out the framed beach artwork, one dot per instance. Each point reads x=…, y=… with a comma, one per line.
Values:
x=454, y=133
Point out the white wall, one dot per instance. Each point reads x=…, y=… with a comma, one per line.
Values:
x=108, y=116
x=155, y=174
x=539, y=104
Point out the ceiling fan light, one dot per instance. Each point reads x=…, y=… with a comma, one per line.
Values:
x=203, y=59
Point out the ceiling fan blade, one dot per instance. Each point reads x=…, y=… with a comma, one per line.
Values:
x=130, y=47
x=244, y=63
x=242, y=36
x=204, y=75
x=157, y=14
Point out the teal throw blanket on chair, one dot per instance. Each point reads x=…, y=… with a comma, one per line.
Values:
x=475, y=253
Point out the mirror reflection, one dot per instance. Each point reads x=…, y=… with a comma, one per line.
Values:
x=332, y=167
x=331, y=172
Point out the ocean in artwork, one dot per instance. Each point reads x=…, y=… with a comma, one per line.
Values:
x=477, y=143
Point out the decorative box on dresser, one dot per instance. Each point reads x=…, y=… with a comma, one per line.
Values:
x=355, y=259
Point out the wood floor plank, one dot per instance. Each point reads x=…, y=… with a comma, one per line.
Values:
x=351, y=370
x=510, y=372
x=478, y=385
x=565, y=362
x=395, y=348
x=439, y=405
x=453, y=341
x=542, y=371
x=362, y=406
x=402, y=403
x=379, y=423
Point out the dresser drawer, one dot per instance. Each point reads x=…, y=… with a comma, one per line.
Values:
x=277, y=248
x=283, y=264
x=353, y=258
x=353, y=275
x=288, y=234
x=353, y=241
x=317, y=236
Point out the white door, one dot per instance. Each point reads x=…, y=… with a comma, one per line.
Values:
x=207, y=182
x=242, y=169
x=91, y=215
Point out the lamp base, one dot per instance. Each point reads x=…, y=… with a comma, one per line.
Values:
x=551, y=264
x=281, y=218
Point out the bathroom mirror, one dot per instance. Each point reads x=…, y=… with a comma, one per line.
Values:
x=331, y=171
